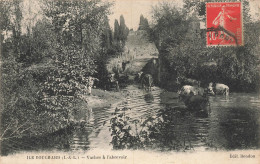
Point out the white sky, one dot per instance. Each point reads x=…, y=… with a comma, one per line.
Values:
x=132, y=9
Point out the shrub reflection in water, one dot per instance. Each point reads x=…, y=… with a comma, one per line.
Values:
x=170, y=129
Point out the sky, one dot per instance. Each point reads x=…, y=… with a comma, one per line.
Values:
x=132, y=9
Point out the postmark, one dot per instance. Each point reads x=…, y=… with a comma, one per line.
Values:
x=224, y=24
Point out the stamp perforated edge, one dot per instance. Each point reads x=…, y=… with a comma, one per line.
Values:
x=242, y=24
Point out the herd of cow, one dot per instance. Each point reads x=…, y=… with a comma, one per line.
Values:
x=111, y=82
x=195, y=97
x=113, y=79
x=190, y=92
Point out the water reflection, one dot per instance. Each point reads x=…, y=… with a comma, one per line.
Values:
x=239, y=127
x=235, y=124
x=149, y=97
x=232, y=124
x=180, y=129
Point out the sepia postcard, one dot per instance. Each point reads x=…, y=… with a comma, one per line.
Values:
x=130, y=81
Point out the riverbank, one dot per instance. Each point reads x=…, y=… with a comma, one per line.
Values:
x=79, y=115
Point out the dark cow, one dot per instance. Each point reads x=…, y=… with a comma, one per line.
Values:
x=195, y=98
x=181, y=80
x=112, y=82
x=139, y=76
x=218, y=89
x=147, y=81
x=198, y=103
x=116, y=71
x=124, y=65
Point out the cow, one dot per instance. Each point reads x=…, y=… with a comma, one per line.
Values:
x=198, y=103
x=116, y=71
x=188, y=90
x=90, y=83
x=112, y=81
x=124, y=65
x=147, y=81
x=218, y=89
x=181, y=80
x=139, y=76
x=195, y=98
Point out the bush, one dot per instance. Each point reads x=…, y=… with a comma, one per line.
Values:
x=155, y=132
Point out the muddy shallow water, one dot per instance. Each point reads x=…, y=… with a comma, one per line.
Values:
x=233, y=123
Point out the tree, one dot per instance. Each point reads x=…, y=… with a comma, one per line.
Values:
x=123, y=31
x=107, y=38
x=79, y=28
x=44, y=71
x=18, y=87
x=183, y=51
x=116, y=31
x=120, y=34
x=143, y=25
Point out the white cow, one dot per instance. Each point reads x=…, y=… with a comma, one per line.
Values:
x=187, y=90
x=218, y=89
x=90, y=83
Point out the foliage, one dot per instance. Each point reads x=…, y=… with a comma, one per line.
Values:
x=19, y=108
x=44, y=70
x=154, y=132
x=123, y=30
x=120, y=34
x=122, y=133
x=143, y=25
x=183, y=52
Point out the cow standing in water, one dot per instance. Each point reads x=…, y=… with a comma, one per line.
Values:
x=90, y=84
x=112, y=81
x=195, y=98
x=188, y=90
x=138, y=76
x=147, y=81
x=218, y=89
x=198, y=103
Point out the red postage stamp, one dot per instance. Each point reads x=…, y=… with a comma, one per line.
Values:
x=224, y=24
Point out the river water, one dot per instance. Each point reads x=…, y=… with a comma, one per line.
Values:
x=233, y=123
